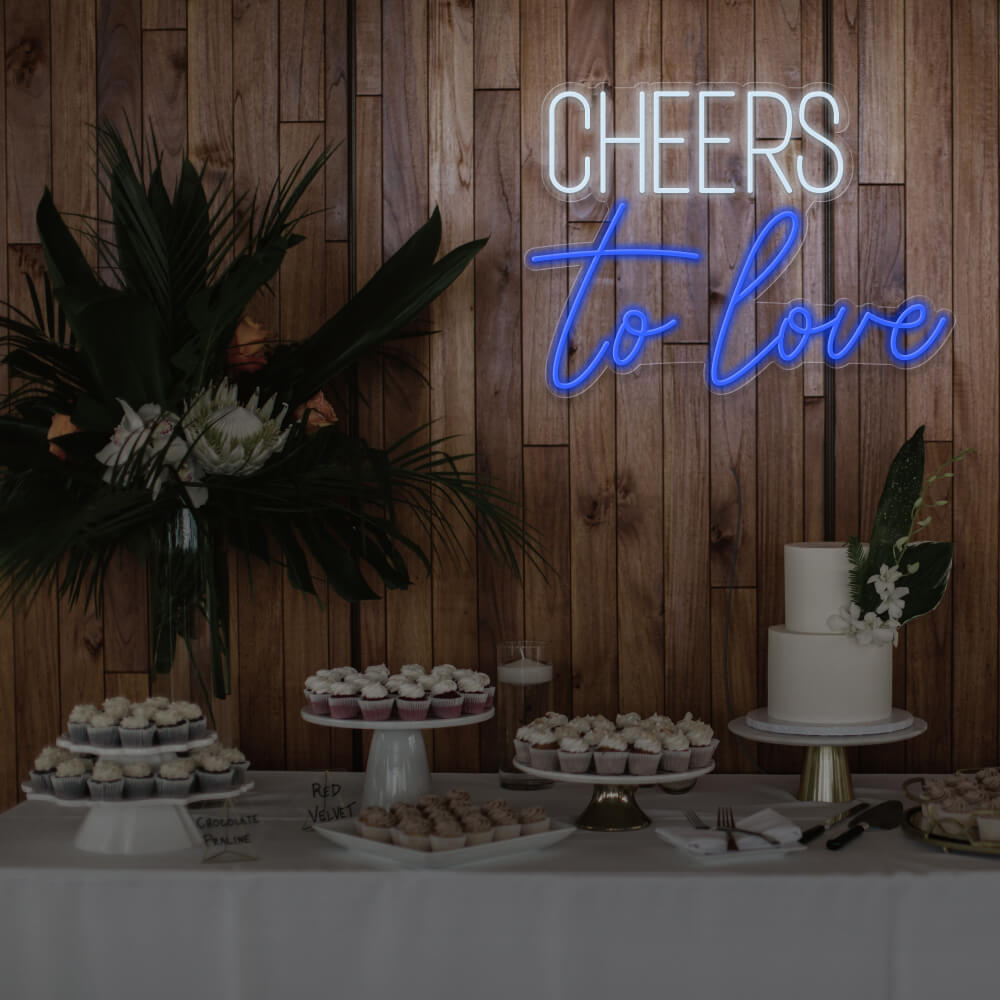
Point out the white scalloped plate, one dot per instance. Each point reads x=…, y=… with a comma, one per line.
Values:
x=343, y=832
x=152, y=800
x=157, y=750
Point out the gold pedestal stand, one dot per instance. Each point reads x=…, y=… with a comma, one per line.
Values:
x=612, y=808
x=825, y=775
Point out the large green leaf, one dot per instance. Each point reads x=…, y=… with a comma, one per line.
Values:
x=64, y=260
x=928, y=584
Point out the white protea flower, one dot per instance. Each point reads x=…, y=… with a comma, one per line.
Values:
x=152, y=435
x=230, y=438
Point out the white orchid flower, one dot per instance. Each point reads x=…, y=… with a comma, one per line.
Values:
x=893, y=602
x=885, y=580
x=846, y=620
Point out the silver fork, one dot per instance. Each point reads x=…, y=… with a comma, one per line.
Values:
x=725, y=820
x=721, y=815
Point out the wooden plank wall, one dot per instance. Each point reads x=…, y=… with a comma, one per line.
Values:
x=633, y=485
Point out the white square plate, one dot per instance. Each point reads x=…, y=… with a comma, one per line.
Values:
x=725, y=857
x=343, y=832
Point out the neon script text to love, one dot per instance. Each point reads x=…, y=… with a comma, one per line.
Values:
x=911, y=331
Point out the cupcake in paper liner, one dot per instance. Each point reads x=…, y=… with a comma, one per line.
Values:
x=342, y=702
x=703, y=743
x=79, y=719
x=102, y=730
x=195, y=718
x=644, y=758
x=136, y=731
x=574, y=755
x=45, y=767
x=106, y=782
x=473, y=694
x=522, y=748
x=171, y=726
x=534, y=819
x=317, y=692
x=543, y=746
x=376, y=823
x=175, y=779
x=611, y=754
x=414, y=832
x=446, y=699
x=70, y=779
x=506, y=825
x=412, y=701
x=139, y=780
x=676, y=756
x=375, y=702
x=489, y=687
x=447, y=835
x=478, y=829
x=239, y=763
x=215, y=773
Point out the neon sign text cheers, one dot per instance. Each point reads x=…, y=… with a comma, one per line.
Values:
x=911, y=331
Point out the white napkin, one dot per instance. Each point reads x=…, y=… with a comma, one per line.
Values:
x=714, y=841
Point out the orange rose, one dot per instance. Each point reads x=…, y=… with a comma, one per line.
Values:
x=249, y=348
x=60, y=426
x=321, y=413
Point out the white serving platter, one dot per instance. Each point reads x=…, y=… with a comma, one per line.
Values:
x=119, y=752
x=896, y=721
x=592, y=778
x=397, y=725
x=154, y=801
x=724, y=857
x=343, y=832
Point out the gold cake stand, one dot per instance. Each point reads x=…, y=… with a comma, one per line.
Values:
x=825, y=775
x=612, y=807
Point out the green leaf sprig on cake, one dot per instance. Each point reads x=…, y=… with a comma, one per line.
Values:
x=895, y=578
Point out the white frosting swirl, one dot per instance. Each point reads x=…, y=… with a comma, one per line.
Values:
x=75, y=767
x=395, y=682
x=117, y=708
x=471, y=684
x=82, y=713
x=343, y=689
x=409, y=691
x=106, y=770
x=135, y=722
x=168, y=717
x=675, y=740
x=175, y=770
x=443, y=670
x=627, y=719
x=377, y=672
x=574, y=744
x=137, y=769
x=613, y=742
x=444, y=685
x=646, y=744
x=699, y=734
x=374, y=692
x=102, y=720
x=412, y=670
x=214, y=763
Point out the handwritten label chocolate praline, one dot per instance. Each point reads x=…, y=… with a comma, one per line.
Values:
x=230, y=830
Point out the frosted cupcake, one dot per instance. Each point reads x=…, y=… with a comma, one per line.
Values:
x=447, y=835
x=611, y=755
x=136, y=731
x=239, y=763
x=215, y=773
x=534, y=819
x=412, y=670
x=543, y=748
x=478, y=829
x=473, y=695
x=156, y=703
x=444, y=670
x=506, y=825
x=139, y=780
x=522, y=748
x=343, y=700
x=117, y=708
x=644, y=758
x=394, y=682
x=195, y=717
x=175, y=779
x=703, y=743
x=317, y=692
x=70, y=779
x=340, y=674
x=574, y=755
x=627, y=719
x=106, y=782
x=171, y=726
x=376, y=824
x=413, y=832
x=78, y=720
x=412, y=701
x=45, y=767
x=377, y=672
x=489, y=687
x=446, y=700
x=375, y=702
x=102, y=730
x=676, y=756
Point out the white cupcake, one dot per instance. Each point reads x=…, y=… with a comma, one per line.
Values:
x=644, y=758
x=70, y=779
x=195, y=718
x=412, y=670
x=703, y=743
x=574, y=755
x=139, y=780
x=78, y=719
x=136, y=731
x=317, y=692
x=377, y=672
x=611, y=755
x=342, y=699
x=522, y=747
x=676, y=756
x=473, y=694
x=102, y=730
x=45, y=767
x=175, y=779
x=171, y=726
x=375, y=702
x=215, y=773
x=106, y=782
x=117, y=708
x=239, y=762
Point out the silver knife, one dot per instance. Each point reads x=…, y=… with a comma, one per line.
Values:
x=815, y=831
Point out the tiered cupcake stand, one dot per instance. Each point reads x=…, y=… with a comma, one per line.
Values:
x=138, y=826
x=612, y=807
x=397, y=762
x=826, y=776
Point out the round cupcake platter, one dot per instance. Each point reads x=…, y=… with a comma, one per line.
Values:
x=397, y=761
x=148, y=754
x=612, y=807
x=151, y=825
x=826, y=776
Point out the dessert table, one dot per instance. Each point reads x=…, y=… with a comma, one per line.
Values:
x=597, y=915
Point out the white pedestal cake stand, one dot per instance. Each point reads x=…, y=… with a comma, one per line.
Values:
x=138, y=826
x=612, y=806
x=825, y=774
x=397, y=762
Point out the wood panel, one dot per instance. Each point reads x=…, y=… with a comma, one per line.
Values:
x=497, y=44
x=164, y=112
x=882, y=93
x=338, y=123
x=300, y=60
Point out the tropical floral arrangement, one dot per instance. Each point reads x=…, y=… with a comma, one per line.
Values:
x=149, y=411
x=895, y=578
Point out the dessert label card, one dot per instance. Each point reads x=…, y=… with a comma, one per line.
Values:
x=328, y=803
x=227, y=837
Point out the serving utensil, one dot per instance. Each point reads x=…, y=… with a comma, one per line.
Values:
x=884, y=816
x=820, y=828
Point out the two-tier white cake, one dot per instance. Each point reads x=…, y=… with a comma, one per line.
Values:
x=815, y=675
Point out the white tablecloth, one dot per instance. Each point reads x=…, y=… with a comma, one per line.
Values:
x=600, y=915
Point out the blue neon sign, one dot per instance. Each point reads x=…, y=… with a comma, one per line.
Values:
x=912, y=331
